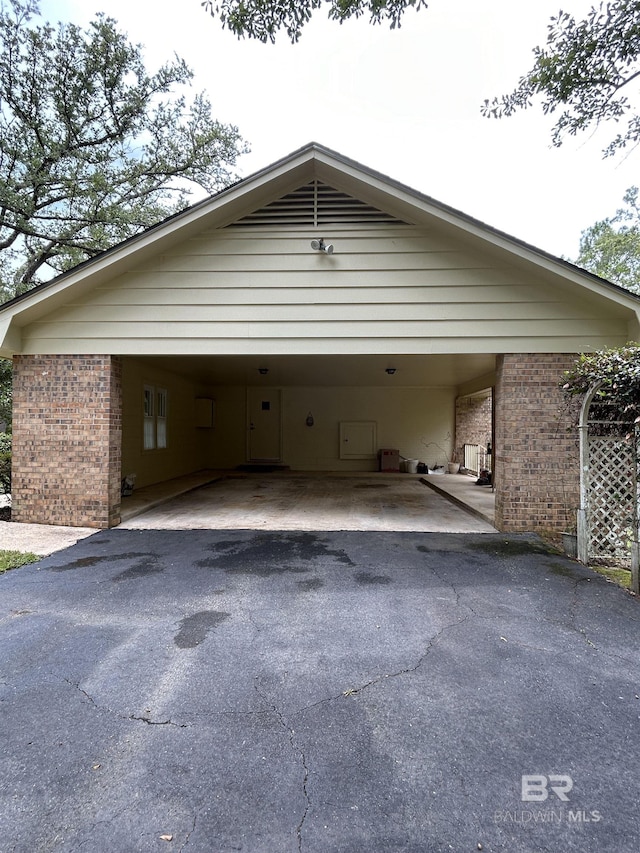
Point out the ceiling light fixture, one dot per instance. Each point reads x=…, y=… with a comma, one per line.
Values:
x=390, y=370
x=321, y=246
x=263, y=371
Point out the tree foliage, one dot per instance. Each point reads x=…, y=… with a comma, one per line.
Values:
x=611, y=247
x=586, y=72
x=5, y=464
x=617, y=371
x=5, y=393
x=263, y=19
x=93, y=148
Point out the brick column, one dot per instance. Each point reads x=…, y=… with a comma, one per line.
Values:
x=67, y=436
x=536, y=460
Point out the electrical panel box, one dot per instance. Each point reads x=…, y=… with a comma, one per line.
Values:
x=358, y=439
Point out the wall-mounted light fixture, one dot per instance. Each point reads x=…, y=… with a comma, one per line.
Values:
x=390, y=370
x=309, y=421
x=263, y=371
x=321, y=246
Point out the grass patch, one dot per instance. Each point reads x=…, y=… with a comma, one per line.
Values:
x=15, y=559
x=620, y=576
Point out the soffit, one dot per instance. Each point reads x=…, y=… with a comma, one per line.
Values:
x=419, y=371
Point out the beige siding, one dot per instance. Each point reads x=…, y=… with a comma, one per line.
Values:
x=186, y=449
x=387, y=289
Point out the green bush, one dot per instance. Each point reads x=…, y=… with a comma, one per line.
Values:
x=5, y=463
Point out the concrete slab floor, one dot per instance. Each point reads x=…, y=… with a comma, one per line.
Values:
x=328, y=502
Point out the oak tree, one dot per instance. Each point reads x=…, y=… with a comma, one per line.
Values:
x=93, y=147
x=263, y=19
x=587, y=73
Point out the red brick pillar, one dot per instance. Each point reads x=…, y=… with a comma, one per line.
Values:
x=67, y=436
x=536, y=459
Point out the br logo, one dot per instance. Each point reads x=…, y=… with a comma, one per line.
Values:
x=536, y=787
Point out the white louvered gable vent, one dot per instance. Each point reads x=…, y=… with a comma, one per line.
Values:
x=315, y=205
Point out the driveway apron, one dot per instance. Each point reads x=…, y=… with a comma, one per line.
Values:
x=215, y=690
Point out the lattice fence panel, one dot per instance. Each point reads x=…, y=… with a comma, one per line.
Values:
x=612, y=495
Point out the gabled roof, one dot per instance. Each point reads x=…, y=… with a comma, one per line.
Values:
x=239, y=204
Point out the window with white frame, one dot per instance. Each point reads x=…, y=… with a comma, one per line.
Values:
x=154, y=418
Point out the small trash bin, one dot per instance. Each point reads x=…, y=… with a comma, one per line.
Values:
x=412, y=466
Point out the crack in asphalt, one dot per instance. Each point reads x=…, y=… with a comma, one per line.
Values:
x=572, y=623
x=189, y=834
x=408, y=670
x=107, y=710
x=93, y=826
x=302, y=757
x=573, y=615
x=454, y=589
x=151, y=722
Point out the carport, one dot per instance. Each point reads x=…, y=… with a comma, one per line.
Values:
x=309, y=316
x=309, y=413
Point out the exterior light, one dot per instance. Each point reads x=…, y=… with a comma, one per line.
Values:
x=321, y=246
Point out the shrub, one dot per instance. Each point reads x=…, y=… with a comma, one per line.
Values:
x=5, y=463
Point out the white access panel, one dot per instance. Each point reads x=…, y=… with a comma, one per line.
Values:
x=358, y=440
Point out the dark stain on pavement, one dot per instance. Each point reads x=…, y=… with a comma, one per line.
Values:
x=195, y=628
x=501, y=547
x=371, y=486
x=146, y=566
x=310, y=585
x=80, y=563
x=365, y=579
x=271, y=554
x=85, y=562
x=565, y=570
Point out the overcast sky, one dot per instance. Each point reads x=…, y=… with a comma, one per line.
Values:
x=405, y=103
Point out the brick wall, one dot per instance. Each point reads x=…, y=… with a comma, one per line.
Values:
x=536, y=459
x=473, y=422
x=67, y=425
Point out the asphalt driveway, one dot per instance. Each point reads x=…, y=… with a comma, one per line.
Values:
x=296, y=691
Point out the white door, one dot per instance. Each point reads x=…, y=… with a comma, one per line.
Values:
x=265, y=434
